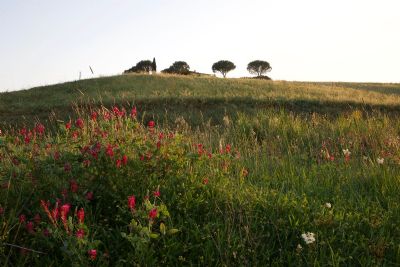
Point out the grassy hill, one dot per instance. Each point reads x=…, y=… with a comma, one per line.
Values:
x=233, y=172
x=205, y=97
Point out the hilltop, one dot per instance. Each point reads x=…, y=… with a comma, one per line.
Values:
x=205, y=97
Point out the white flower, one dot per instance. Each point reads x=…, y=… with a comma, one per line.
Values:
x=299, y=248
x=328, y=205
x=308, y=237
x=380, y=160
x=346, y=152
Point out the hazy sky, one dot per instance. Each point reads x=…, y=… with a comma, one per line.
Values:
x=48, y=41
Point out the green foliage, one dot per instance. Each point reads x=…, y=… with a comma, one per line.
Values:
x=143, y=66
x=258, y=67
x=178, y=67
x=223, y=67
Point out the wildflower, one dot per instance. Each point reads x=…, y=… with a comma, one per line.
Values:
x=81, y=215
x=67, y=167
x=86, y=163
x=89, y=195
x=380, y=160
x=29, y=227
x=228, y=148
x=124, y=159
x=65, y=210
x=40, y=129
x=56, y=155
x=346, y=152
x=158, y=144
x=153, y=214
x=118, y=163
x=156, y=193
x=205, y=181
x=328, y=205
x=22, y=218
x=79, y=123
x=73, y=186
x=92, y=254
x=93, y=115
x=131, y=202
x=109, y=150
x=75, y=135
x=106, y=116
x=308, y=238
x=68, y=125
x=80, y=233
x=299, y=248
x=133, y=112
x=151, y=124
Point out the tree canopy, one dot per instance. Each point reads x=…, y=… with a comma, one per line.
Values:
x=141, y=66
x=178, y=67
x=258, y=67
x=223, y=66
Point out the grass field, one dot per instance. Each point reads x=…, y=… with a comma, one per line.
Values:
x=235, y=172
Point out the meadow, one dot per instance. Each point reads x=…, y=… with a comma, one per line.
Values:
x=200, y=171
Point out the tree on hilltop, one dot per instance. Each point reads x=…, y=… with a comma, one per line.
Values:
x=141, y=66
x=259, y=67
x=223, y=66
x=178, y=67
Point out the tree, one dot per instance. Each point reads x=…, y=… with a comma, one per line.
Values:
x=258, y=67
x=141, y=66
x=178, y=67
x=223, y=66
x=154, y=65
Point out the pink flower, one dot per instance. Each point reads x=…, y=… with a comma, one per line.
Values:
x=205, y=181
x=133, y=112
x=151, y=124
x=124, y=159
x=73, y=186
x=81, y=215
x=40, y=129
x=153, y=214
x=131, y=202
x=80, y=233
x=68, y=125
x=79, y=123
x=228, y=148
x=65, y=210
x=89, y=196
x=92, y=254
x=93, y=115
x=118, y=163
x=29, y=227
x=22, y=218
x=109, y=150
x=156, y=193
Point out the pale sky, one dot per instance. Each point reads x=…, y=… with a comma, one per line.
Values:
x=45, y=42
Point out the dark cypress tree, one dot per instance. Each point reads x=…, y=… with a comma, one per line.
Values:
x=154, y=65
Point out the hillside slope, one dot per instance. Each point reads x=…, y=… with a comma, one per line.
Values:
x=206, y=97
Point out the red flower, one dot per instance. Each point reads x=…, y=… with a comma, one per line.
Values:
x=228, y=148
x=80, y=233
x=73, y=186
x=153, y=214
x=109, y=150
x=89, y=196
x=56, y=155
x=158, y=144
x=81, y=215
x=156, y=193
x=40, y=129
x=29, y=227
x=124, y=159
x=75, y=134
x=93, y=116
x=86, y=163
x=22, y=218
x=92, y=254
x=118, y=163
x=151, y=124
x=133, y=112
x=131, y=202
x=106, y=116
x=205, y=181
x=79, y=123
x=65, y=210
